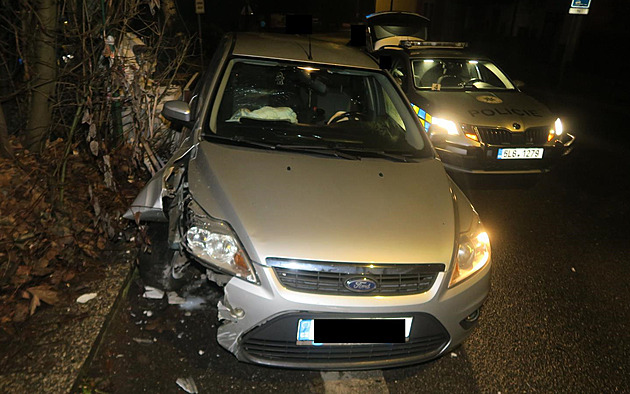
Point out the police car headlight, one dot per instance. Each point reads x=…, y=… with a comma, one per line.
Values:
x=473, y=253
x=214, y=243
x=556, y=130
x=448, y=127
x=444, y=125
x=558, y=127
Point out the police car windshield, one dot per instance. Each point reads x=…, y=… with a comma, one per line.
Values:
x=459, y=74
x=288, y=104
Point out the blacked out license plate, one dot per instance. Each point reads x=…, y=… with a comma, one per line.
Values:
x=353, y=331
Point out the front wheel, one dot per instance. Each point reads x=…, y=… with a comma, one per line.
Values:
x=159, y=265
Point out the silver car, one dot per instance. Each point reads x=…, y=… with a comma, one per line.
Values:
x=307, y=189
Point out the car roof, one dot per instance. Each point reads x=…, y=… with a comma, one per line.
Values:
x=433, y=52
x=447, y=53
x=296, y=48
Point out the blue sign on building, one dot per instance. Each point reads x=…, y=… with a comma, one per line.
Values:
x=579, y=7
x=580, y=3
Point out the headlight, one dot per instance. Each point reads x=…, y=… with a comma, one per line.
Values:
x=448, y=125
x=558, y=126
x=214, y=242
x=441, y=125
x=556, y=131
x=473, y=253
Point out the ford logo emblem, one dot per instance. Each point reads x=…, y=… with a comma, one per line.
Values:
x=360, y=285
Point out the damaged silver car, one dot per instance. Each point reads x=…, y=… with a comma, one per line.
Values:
x=307, y=189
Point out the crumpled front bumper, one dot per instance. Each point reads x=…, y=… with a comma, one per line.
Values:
x=260, y=322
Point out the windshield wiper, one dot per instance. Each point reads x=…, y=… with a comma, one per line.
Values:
x=320, y=149
x=399, y=157
x=240, y=141
x=317, y=149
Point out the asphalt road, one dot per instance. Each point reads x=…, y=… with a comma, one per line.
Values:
x=557, y=319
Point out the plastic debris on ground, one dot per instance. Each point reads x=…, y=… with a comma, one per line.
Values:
x=143, y=341
x=153, y=293
x=187, y=384
x=174, y=299
x=86, y=297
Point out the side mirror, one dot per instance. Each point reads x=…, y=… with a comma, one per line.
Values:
x=519, y=84
x=177, y=111
x=358, y=35
x=385, y=62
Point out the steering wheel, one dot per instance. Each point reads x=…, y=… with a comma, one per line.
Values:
x=347, y=115
x=471, y=82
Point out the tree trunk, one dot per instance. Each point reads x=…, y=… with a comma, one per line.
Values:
x=43, y=82
x=5, y=147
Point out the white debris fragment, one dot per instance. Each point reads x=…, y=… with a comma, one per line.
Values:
x=453, y=355
x=192, y=303
x=148, y=313
x=187, y=384
x=153, y=293
x=86, y=297
x=174, y=299
x=143, y=341
x=201, y=352
x=573, y=269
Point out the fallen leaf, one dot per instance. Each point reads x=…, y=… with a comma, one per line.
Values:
x=34, y=304
x=45, y=294
x=21, y=312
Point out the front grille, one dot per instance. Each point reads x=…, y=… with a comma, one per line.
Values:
x=290, y=351
x=330, y=278
x=536, y=135
x=275, y=343
x=494, y=136
x=501, y=136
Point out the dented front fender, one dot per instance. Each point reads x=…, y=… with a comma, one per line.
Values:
x=148, y=205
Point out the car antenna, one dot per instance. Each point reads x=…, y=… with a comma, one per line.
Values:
x=301, y=24
x=310, y=56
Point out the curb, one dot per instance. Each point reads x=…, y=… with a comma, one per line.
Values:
x=98, y=341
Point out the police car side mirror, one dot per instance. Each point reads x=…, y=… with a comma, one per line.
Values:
x=177, y=112
x=385, y=62
x=358, y=35
x=519, y=84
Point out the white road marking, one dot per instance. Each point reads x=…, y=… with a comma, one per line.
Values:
x=364, y=382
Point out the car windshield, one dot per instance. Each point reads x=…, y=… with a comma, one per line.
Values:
x=273, y=104
x=462, y=74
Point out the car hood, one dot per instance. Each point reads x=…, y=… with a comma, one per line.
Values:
x=302, y=206
x=484, y=108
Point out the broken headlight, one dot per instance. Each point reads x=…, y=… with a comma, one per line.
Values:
x=216, y=245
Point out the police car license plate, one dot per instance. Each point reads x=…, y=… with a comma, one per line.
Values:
x=520, y=153
x=353, y=331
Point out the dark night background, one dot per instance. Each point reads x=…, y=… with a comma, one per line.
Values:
x=557, y=319
x=528, y=38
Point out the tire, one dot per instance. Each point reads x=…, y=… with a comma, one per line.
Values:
x=155, y=264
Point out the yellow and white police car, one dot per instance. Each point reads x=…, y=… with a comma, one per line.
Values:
x=477, y=118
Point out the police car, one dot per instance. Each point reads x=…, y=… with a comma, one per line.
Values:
x=307, y=189
x=476, y=117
